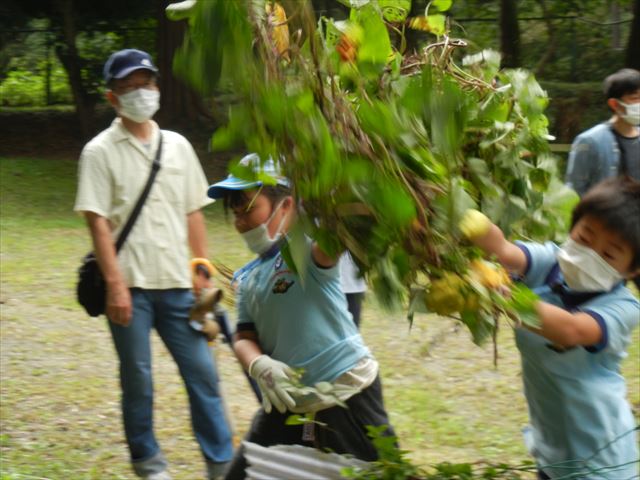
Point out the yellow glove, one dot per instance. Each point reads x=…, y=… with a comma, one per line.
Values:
x=474, y=224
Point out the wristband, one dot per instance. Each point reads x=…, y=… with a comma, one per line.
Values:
x=204, y=262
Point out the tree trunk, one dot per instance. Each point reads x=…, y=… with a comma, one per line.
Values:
x=509, y=34
x=180, y=105
x=616, y=38
x=632, y=59
x=552, y=44
x=68, y=54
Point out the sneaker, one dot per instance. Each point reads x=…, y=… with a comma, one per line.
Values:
x=216, y=471
x=164, y=475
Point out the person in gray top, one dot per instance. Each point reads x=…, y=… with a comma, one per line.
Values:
x=611, y=148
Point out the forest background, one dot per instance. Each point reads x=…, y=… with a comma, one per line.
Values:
x=59, y=395
x=52, y=53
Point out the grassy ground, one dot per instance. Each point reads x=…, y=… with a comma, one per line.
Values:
x=59, y=396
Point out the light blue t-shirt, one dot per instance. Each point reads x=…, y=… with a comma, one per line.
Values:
x=305, y=326
x=580, y=418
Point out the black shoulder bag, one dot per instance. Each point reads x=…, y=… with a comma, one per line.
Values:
x=91, y=290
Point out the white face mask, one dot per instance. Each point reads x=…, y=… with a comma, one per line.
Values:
x=139, y=105
x=258, y=239
x=584, y=270
x=632, y=113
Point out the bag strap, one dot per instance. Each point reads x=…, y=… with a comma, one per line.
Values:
x=623, y=168
x=143, y=196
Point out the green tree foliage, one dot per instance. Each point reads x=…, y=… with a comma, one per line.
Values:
x=81, y=54
x=578, y=49
x=26, y=88
x=32, y=64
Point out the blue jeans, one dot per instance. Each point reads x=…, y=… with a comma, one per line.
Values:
x=168, y=311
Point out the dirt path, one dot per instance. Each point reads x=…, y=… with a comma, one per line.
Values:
x=59, y=393
x=60, y=396
x=60, y=412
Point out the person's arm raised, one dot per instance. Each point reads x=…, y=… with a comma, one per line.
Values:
x=321, y=259
x=484, y=234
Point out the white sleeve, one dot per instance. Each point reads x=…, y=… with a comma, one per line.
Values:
x=94, y=182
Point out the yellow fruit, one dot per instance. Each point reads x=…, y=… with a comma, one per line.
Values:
x=471, y=302
x=446, y=295
x=474, y=224
x=489, y=274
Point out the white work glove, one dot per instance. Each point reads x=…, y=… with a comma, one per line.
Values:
x=275, y=381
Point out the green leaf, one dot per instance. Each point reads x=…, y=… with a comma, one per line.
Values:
x=377, y=118
x=413, y=161
x=296, y=420
x=180, y=10
x=416, y=303
x=437, y=24
x=218, y=40
x=460, y=471
x=481, y=176
x=376, y=45
x=522, y=301
x=560, y=200
x=442, y=5
x=305, y=103
x=480, y=324
x=297, y=251
x=387, y=285
x=224, y=138
x=530, y=319
x=451, y=207
x=522, y=298
x=515, y=210
x=395, y=10
x=539, y=179
x=410, y=91
x=494, y=111
x=274, y=107
x=448, y=117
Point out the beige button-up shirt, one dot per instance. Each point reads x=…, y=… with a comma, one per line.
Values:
x=114, y=167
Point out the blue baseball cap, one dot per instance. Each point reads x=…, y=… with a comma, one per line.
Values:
x=269, y=167
x=123, y=62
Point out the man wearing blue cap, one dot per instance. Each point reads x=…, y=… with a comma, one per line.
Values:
x=149, y=282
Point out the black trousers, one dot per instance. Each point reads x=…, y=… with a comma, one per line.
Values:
x=543, y=476
x=345, y=432
x=354, y=305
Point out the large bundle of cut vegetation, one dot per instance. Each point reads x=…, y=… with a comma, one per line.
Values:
x=387, y=149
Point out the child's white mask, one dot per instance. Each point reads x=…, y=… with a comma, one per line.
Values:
x=584, y=270
x=632, y=113
x=140, y=104
x=258, y=239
